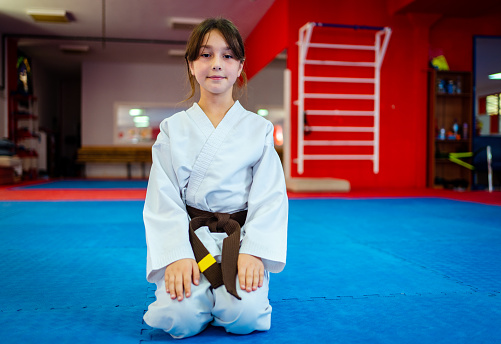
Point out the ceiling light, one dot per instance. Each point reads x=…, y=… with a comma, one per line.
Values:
x=184, y=23
x=263, y=112
x=136, y=112
x=142, y=121
x=74, y=48
x=281, y=56
x=177, y=52
x=50, y=16
x=496, y=76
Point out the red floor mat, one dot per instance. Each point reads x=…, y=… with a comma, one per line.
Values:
x=11, y=193
x=63, y=195
x=493, y=198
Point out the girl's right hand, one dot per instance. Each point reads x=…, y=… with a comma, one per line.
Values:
x=178, y=277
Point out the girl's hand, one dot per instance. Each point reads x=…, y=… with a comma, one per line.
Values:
x=178, y=277
x=250, y=272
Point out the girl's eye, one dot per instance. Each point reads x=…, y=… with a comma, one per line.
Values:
x=205, y=55
x=228, y=56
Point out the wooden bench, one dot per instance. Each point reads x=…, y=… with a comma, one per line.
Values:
x=116, y=154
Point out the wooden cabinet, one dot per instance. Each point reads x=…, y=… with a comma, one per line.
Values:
x=449, y=128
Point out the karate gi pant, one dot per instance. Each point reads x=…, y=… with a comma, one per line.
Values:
x=207, y=305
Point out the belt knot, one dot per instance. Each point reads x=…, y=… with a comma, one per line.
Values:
x=218, y=222
x=226, y=272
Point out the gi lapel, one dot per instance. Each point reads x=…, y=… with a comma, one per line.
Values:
x=211, y=146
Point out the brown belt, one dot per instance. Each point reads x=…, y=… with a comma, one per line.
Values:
x=226, y=272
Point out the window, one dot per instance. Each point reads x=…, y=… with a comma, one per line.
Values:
x=492, y=104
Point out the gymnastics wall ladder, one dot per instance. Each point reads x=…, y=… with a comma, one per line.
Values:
x=379, y=48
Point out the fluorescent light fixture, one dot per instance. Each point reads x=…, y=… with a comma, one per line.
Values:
x=74, y=48
x=281, y=56
x=136, y=112
x=142, y=121
x=184, y=23
x=496, y=76
x=50, y=16
x=177, y=52
x=263, y=112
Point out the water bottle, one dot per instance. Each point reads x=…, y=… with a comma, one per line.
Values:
x=455, y=127
x=451, y=88
x=441, y=86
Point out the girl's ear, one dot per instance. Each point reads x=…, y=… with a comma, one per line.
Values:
x=191, y=67
x=241, y=68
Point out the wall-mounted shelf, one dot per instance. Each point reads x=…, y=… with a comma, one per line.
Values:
x=450, y=103
x=24, y=131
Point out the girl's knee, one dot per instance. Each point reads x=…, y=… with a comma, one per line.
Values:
x=244, y=316
x=180, y=319
x=251, y=318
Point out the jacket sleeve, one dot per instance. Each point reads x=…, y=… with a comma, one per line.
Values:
x=265, y=230
x=165, y=217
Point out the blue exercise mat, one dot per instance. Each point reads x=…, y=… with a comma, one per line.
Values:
x=358, y=271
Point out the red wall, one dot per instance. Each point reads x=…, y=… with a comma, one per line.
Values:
x=403, y=80
x=268, y=39
x=454, y=36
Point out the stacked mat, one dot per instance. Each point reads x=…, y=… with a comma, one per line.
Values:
x=10, y=165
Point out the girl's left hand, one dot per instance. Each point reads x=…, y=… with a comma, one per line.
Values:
x=250, y=272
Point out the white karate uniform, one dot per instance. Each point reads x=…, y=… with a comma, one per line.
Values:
x=226, y=169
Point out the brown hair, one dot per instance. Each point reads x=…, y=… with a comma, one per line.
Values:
x=231, y=35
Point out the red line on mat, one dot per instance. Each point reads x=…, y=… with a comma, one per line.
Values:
x=71, y=195
x=492, y=198
x=10, y=193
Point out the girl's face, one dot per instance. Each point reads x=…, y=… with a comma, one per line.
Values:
x=216, y=68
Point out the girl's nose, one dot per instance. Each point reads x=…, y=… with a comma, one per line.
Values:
x=216, y=63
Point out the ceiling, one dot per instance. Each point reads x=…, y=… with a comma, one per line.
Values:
x=134, y=30
x=139, y=30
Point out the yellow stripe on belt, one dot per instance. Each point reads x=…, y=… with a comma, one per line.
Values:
x=206, y=262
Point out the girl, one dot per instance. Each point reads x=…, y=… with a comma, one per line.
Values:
x=216, y=206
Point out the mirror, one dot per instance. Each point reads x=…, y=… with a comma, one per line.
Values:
x=487, y=86
x=139, y=123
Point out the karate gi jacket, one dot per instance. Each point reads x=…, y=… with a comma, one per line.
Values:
x=226, y=169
